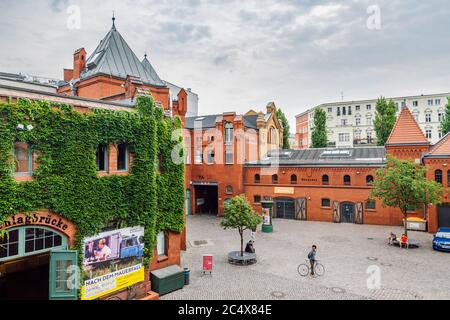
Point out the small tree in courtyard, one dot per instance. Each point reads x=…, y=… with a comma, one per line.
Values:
x=240, y=215
x=403, y=184
x=445, y=124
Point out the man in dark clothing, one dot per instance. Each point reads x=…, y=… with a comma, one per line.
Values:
x=249, y=247
x=312, y=258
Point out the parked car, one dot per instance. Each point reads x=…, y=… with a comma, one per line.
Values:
x=441, y=240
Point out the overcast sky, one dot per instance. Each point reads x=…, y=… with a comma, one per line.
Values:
x=239, y=55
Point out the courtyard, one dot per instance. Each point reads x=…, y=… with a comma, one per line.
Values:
x=347, y=251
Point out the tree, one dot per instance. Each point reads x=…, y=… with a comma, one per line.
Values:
x=445, y=124
x=286, y=128
x=240, y=215
x=385, y=117
x=403, y=184
x=319, y=135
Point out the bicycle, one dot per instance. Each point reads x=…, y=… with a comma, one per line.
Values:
x=305, y=268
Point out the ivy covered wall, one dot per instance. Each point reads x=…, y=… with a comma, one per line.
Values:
x=66, y=181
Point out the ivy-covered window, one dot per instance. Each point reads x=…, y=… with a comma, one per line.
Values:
x=102, y=158
x=23, y=153
x=161, y=244
x=122, y=157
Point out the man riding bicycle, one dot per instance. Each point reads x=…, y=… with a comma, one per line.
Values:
x=312, y=258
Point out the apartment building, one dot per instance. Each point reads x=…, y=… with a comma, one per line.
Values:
x=350, y=123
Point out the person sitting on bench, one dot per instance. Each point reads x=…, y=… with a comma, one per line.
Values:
x=392, y=238
x=404, y=241
x=249, y=247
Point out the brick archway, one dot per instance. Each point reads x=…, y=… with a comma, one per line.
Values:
x=43, y=218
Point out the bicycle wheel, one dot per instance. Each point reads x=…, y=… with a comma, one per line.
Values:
x=303, y=270
x=319, y=269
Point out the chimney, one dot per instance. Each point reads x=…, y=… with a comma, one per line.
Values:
x=79, y=62
x=182, y=104
x=132, y=84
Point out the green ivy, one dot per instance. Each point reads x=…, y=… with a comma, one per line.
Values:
x=66, y=181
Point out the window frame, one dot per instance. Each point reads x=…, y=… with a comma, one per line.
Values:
x=294, y=179
x=367, y=202
x=349, y=182
x=322, y=203
x=127, y=155
x=106, y=155
x=275, y=179
x=257, y=178
x=325, y=182
x=30, y=151
x=165, y=242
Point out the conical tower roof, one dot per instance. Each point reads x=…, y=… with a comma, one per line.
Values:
x=406, y=131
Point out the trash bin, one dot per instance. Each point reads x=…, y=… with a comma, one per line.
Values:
x=187, y=275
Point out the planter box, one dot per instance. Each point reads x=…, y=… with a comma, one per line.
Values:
x=167, y=280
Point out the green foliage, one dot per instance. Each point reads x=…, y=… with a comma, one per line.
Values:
x=286, y=128
x=319, y=135
x=445, y=125
x=238, y=214
x=385, y=118
x=403, y=184
x=66, y=181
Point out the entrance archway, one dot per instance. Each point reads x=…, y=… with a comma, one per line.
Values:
x=348, y=212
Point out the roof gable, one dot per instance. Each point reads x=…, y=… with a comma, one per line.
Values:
x=114, y=57
x=442, y=147
x=406, y=131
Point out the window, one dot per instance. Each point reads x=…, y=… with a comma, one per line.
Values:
x=415, y=103
x=448, y=177
x=229, y=190
x=428, y=117
x=122, y=157
x=229, y=155
x=440, y=134
x=369, y=136
x=330, y=110
x=9, y=244
x=429, y=133
x=369, y=107
x=198, y=156
x=293, y=179
x=344, y=111
x=403, y=104
x=257, y=178
x=440, y=117
x=211, y=157
x=437, y=102
x=344, y=122
x=325, y=180
x=369, y=180
x=371, y=205
x=347, y=180
x=438, y=176
x=369, y=120
x=344, y=137
x=161, y=244
x=338, y=111
x=229, y=133
x=23, y=158
x=326, y=203
x=358, y=108
x=37, y=239
x=102, y=158
x=257, y=199
x=431, y=102
x=275, y=179
x=358, y=121
x=349, y=110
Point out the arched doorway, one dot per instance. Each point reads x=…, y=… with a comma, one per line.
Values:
x=35, y=262
x=285, y=208
x=348, y=212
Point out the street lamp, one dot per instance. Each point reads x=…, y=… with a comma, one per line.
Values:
x=267, y=226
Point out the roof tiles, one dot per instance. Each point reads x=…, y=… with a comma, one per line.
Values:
x=406, y=131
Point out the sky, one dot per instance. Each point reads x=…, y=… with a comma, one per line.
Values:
x=240, y=55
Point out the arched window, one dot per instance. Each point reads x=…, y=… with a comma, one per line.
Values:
x=257, y=178
x=293, y=179
x=369, y=180
x=325, y=180
x=229, y=190
x=438, y=176
x=229, y=133
x=347, y=180
x=275, y=179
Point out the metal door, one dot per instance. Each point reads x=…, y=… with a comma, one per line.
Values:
x=348, y=212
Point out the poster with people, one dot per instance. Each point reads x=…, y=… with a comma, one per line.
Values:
x=112, y=261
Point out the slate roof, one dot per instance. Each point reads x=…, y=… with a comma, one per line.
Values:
x=114, y=57
x=406, y=131
x=367, y=157
x=209, y=121
x=441, y=148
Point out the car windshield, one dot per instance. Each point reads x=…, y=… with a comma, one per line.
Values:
x=445, y=235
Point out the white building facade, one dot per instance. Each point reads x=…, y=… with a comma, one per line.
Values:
x=350, y=123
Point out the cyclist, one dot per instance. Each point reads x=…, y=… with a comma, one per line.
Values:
x=312, y=258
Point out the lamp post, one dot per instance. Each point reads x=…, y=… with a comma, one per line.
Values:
x=267, y=226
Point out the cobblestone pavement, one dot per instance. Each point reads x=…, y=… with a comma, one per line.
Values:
x=346, y=251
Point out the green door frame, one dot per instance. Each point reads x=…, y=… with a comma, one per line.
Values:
x=64, y=275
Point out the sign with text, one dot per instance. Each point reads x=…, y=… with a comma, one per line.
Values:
x=112, y=261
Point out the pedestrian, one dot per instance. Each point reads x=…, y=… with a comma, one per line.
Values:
x=312, y=258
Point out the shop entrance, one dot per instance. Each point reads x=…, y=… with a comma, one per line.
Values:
x=348, y=212
x=285, y=208
x=36, y=265
x=207, y=199
x=25, y=279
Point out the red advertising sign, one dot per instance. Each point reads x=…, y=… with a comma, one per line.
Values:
x=207, y=263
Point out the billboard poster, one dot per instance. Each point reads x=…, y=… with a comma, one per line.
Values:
x=112, y=261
